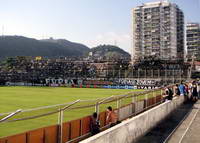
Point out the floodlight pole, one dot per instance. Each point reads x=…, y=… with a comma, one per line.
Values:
x=10, y=115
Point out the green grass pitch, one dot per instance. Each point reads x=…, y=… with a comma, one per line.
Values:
x=13, y=98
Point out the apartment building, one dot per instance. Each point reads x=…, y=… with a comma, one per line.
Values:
x=158, y=31
x=193, y=40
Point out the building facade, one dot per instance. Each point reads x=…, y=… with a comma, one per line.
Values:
x=158, y=31
x=193, y=40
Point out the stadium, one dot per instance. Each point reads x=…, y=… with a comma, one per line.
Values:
x=38, y=94
x=59, y=91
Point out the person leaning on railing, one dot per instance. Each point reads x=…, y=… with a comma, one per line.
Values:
x=176, y=90
x=194, y=91
x=182, y=89
x=186, y=91
x=168, y=94
x=190, y=91
x=111, y=118
x=94, y=124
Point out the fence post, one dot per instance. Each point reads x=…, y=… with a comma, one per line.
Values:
x=97, y=108
x=61, y=125
x=61, y=116
x=154, y=97
x=146, y=100
x=118, y=103
x=118, y=107
x=135, y=100
x=161, y=92
x=133, y=103
x=99, y=103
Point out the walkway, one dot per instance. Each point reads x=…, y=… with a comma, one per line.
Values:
x=182, y=126
x=189, y=130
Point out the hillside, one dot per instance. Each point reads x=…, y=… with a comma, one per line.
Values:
x=75, y=47
x=109, y=52
x=11, y=46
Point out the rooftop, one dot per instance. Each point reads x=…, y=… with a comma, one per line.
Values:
x=156, y=3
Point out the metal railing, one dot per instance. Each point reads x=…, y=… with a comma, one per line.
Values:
x=136, y=102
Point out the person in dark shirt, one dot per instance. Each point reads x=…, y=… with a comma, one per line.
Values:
x=194, y=92
x=169, y=93
x=94, y=124
x=176, y=90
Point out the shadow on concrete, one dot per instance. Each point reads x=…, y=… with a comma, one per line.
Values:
x=165, y=127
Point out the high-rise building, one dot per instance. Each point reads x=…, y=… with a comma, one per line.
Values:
x=158, y=31
x=193, y=40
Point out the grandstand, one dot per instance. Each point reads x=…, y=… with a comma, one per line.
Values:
x=27, y=71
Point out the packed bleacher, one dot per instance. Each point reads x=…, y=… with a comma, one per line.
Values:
x=37, y=71
x=22, y=69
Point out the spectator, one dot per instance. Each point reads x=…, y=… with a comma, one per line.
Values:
x=190, y=91
x=111, y=118
x=168, y=94
x=94, y=124
x=187, y=91
x=176, y=90
x=198, y=88
x=194, y=92
x=182, y=89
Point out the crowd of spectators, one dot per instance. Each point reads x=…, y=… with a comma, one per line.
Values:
x=29, y=70
x=22, y=69
x=190, y=91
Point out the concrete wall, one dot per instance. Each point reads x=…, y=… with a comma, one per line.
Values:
x=130, y=130
x=129, y=110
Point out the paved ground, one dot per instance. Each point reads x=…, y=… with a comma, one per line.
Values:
x=189, y=130
x=167, y=128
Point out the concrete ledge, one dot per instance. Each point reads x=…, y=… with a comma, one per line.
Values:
x=130, y=130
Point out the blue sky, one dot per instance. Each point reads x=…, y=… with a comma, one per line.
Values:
x=90, y=22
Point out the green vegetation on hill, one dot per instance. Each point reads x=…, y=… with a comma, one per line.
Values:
x=11, y=46
x=77, y=48
x=109, y=52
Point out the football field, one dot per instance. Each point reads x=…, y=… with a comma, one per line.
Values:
x=13, y=98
